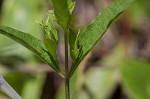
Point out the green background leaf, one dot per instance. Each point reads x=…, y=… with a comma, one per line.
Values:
x=135, y=75
x=100, y=82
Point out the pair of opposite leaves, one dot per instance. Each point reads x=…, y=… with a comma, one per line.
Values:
x=86, y=40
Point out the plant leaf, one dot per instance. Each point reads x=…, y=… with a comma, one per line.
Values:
x=31, y=43
x=74, y=47
x=51, y=41
x=90, y=36
x=100, y=82
x=62, y=13
x=71, y=6
x=52, y=29
x=135, y=75
x=72, y=38
x=51, y=45
x=51, y=14
x=49, y=29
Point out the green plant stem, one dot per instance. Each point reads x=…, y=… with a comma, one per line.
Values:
x=66, y=53
x=67, y=89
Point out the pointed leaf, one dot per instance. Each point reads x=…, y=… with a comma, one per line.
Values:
x=52, y=29
x=49, y=28
x=51, y=41
x=74, y=48
x=31, y=43
x=51, y=14
x=51, y=45
x=71, y=6
x=90, y=36
x=72, y=38
x=74, y=54
x=62, y=13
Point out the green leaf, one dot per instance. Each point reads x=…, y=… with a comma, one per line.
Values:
x=51, y=41
x=33, y=86
x=51, y=45
x=49, y=29
x=71, y=6
x=74, y=45
x=51, y=14
x=135, y=75
x=62, y=13
x=100, y=82
x=31, y=43
x=90, y=36
x=52, y=29
x=72, y=38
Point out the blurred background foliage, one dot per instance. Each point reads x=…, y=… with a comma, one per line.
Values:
x=117, y=68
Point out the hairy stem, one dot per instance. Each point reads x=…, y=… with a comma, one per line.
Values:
x=67, y=89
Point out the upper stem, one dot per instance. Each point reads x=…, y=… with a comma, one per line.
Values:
x=66, y=53
x=67, y=89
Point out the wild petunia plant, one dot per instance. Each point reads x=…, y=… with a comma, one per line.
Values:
x=80, y=43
